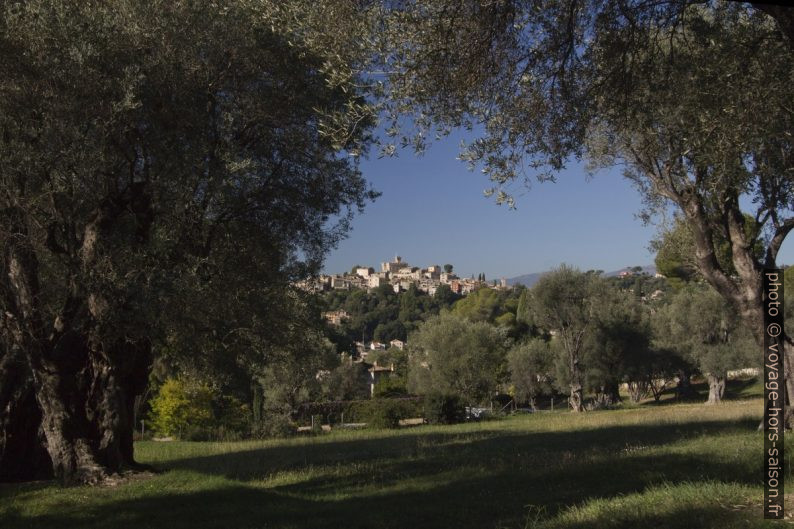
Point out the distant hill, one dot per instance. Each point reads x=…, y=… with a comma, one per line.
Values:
x=648, y=269
x=530, y=279
x=527, y=279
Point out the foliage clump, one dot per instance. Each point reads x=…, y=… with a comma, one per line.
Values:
x=452, y=355
x=444, y=408
x=181, y=406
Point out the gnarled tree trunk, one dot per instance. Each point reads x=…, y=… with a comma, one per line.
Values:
x=86, y=401
x=638, y=389
x=716, y=387
x=71, y=416
x=66, y=382
x=609, y=394
x=575, y=399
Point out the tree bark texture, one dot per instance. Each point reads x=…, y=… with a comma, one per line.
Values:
x=64, y=382
x=609, y=394
x=575, y=399
x=716, y=387
x=86, y=397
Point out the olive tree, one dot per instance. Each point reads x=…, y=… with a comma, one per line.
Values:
x=531, y=365
x=452, y=355
x=619, y=340
x=166, y=170
x=562, y=302
x=698, y=326
x=692, y=99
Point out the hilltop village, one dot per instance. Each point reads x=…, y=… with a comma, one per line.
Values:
x=401, y=276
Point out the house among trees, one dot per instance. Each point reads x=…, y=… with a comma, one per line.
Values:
x=377, y=372
x=399, y=344
x=366, y=376
x=336, y=317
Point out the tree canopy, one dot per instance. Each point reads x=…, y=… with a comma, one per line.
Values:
x=693, y=100
x=450, y=354
x=166, y=171
x=697, y=325
x=620, y=335
x=530, y=365
x=562, y=303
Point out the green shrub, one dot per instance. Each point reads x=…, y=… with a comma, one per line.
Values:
x=444, y=409
x=181, y=406
x=273, y=425
x=329, y=412
x=390, y=387
x=357, y=411
x=196, y=433
x=232, y=415
x=225, y=434
x=382, y=413
x=385, y=414
x=192, y=411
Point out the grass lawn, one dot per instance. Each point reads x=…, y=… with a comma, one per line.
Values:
x=668, y=465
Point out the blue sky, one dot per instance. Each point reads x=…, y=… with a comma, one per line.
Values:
x=432, y=211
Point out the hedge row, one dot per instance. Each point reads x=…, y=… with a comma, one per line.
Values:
x=384, y=413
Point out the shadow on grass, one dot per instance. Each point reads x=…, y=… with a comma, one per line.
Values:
x=482, y=479
x=683, y=517
x=453, y=450
x=492, y=500
x=748, y=388
x=740, y=389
